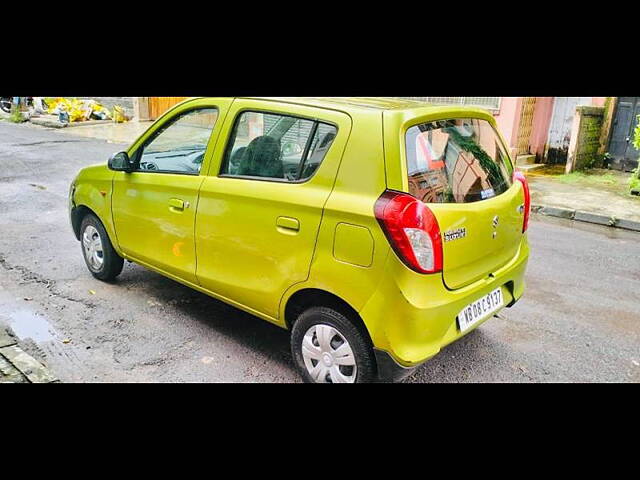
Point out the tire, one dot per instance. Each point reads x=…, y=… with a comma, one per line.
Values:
x=5, y=104
x=102, y=260
x=323, y=331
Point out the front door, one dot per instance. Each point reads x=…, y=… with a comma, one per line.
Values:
x=623, y=154
x=261, y=204
x=564, y=109
x=154, y=207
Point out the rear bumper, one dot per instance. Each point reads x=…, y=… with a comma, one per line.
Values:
x=411, y=317
x=389, y=370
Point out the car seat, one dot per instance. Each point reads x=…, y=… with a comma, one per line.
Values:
x=235, y=160
x=262, y=159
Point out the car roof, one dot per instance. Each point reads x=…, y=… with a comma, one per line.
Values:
x=352, y=103
x=388, y=106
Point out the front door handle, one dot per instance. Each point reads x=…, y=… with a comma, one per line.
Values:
x=288, y=224
x=177, y=205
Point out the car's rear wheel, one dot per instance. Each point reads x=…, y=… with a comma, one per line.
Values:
x=328, y=348
x=102, y=260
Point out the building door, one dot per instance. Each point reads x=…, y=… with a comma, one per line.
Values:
x=526, y=125
x=564, y=109
x=159, y=105
x=624, y=156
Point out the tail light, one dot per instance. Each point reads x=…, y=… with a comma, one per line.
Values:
x=412, y=231
x=519, y=176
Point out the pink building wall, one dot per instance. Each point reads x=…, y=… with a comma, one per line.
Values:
x=508, y=118
x=541, y=122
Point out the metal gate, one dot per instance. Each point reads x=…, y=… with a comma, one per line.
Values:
x=526, y=125
x=623, y=154
x=564, y=108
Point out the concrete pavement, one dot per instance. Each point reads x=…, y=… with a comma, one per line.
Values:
x=122, y=133
x=16, y=366
x=598, y=199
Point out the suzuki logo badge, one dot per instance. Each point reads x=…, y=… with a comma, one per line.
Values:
x=496, y=221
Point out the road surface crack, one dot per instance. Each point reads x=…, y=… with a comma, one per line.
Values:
x=45, y=142
x=29, y=276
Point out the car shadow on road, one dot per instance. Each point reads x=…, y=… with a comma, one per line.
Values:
x=469, y=360
x=460, y=362
x=240, y=327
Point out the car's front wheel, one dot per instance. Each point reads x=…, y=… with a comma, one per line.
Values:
x=102, y=260
x=328, y=348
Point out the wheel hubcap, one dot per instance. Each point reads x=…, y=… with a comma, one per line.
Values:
x=92, y=246
x=328, y=356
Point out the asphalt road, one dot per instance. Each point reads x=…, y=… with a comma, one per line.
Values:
x=578, y=320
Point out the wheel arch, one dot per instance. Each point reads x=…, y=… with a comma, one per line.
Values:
x=77, y=214
x=305, y=298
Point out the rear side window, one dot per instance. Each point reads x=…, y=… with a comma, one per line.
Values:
x=277, y=147
x=456, y=161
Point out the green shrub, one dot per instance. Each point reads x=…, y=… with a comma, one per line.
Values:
x=16, y=115
x=634, y=181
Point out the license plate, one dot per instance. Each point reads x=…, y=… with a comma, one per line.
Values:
x=480, y=309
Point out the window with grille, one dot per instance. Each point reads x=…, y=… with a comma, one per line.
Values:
x=491, y=103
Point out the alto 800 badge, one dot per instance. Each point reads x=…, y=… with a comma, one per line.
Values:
x=455, y=234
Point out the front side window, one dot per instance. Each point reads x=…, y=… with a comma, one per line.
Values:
x=180, y=145
x=278, y=147
x=456, y=161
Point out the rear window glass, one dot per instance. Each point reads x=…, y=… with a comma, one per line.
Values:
x=456, y=161
x=278, y=147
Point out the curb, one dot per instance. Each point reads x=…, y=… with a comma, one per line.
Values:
x=51, y=121
x=16, y=366
x=586, y=217
x=55, y=123
x=45, y=122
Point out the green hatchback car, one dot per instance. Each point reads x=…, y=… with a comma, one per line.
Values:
x=376, y=230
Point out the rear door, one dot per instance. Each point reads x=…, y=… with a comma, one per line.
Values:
x=459, y=167
x=261, y=203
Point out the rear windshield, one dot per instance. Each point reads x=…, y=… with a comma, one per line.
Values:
x=456, y=161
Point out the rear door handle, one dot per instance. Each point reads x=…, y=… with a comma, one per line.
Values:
x=177, y=205
x=288, y=224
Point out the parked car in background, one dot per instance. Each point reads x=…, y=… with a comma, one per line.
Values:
x=377, y=231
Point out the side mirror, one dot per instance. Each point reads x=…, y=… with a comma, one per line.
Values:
x=120, y=162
